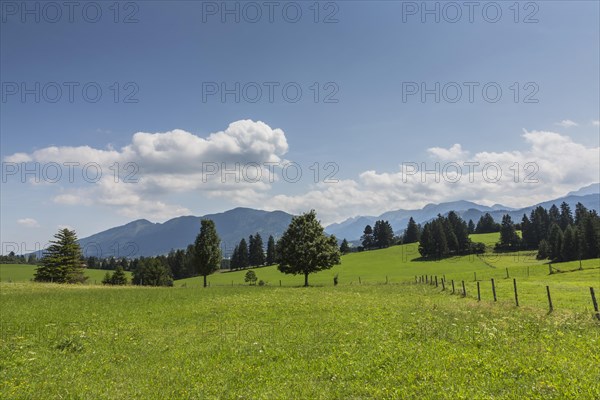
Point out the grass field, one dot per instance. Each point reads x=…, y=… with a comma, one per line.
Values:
x=383, y=341
x=360, y=339
x=25, y=272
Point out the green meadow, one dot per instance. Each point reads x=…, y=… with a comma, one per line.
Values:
x=25, y=272
x=360, y=339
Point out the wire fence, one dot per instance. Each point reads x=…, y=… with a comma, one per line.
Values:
x=475, y=289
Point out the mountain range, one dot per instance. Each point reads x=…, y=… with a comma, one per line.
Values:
x=144, y=238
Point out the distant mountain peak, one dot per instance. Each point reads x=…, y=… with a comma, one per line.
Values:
x=594, y=188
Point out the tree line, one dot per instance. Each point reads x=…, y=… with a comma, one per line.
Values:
x=304, y=248
x=446, y=236
x=12, y=258
x=557, y=233
x=380, y=236
x=252, y=253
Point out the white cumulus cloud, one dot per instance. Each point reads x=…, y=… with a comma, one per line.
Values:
x=551, y=166
x=135, y=178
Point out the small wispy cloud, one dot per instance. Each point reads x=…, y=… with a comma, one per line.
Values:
x=567, y=123
x=28, y=223
x=596, y=123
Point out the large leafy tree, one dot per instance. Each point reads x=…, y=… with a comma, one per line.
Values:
x=62, y=261
x=304, y=248
x=207, y=251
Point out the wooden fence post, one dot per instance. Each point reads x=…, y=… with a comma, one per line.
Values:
x=452, y=286
x=464, y=290
x=594, y=302
x=436, y=281
x=507, y=273
x=550, y=268
x=443, y=285
x=386, y=280
x=549, y=299
x=516, y=295
x=494, y=289
x=359, y=281
x=478, y=292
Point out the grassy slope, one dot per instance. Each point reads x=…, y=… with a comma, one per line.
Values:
x=399, y=264
x=24, y=273
x=383, y=341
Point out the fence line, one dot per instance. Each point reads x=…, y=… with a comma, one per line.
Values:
x=515, y=292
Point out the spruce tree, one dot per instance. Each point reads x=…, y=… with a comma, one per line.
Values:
x=344, y=247
x=367, y=237
x=62, y=261
x=118, y=277
x=555, y=239
x=256, y=250
x=508, y=234
x=566, y=218
x=243, y=255
x=411, y=235
x=207, y=253
x=569, y=249
x=270, y=251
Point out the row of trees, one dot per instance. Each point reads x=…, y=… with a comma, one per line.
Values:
x=253, y=255
x=445, y=236
x=378, y=237
x=303, y=249
x=556, y=233
x=12, y=258
x=486, y=224
x=118, y=277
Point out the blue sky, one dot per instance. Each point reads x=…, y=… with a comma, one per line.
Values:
x=364, y=60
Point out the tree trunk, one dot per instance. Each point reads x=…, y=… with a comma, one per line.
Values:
x=204, y=280
x=306, y=279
